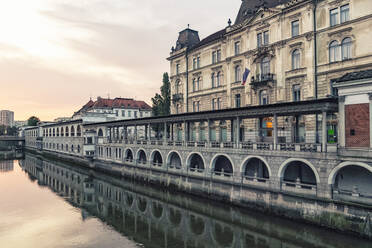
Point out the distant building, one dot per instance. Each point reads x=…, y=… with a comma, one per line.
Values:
x=62, y=119
x=20, y=123
x=114, y=109
x=7, y=118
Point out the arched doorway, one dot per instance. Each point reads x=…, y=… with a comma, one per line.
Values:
x=157, y=159
x=129, y=155
x=100, y=133
x=300, y=175
x=222, y=166
x=174, y=161
x=196, y=163
x=142, y=159
x=255, y=169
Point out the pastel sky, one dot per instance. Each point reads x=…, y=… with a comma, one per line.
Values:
x=55, y=54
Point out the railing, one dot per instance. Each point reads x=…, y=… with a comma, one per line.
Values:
x=190, y=143
x=228, y=144
x=215, y=144
x=247, y=145
x=262, y=78
x=263, y=146
x=201, y=144
x=298, y=187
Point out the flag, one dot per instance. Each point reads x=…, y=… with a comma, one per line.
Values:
x=245, y=75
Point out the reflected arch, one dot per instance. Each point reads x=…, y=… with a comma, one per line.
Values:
x=195, y=162
x=174, y=160
x=256, y=166
x=222, y=235
x=294, y=168
x=157, y=209
x=175, y=216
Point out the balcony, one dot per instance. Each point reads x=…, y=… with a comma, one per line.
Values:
x=263, y=80
x=177, y=98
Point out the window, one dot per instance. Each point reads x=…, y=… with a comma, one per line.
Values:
x=178, y=87
x=237, y=47
x=135, y=114
x=141, y=114
x=196, y=106
x=123, y=113
x=194, y=63
x=296, y=90
x=346, y=48
x=259, y=40
x=333, y=51
x=218, y=55
x=295, y=28
x=295, y=59
x=215, y=104
x=117, y=112
x=333, y=16
x=264, y=97
x=198, y=62
x=265, y=66
x=218, y=79
x=237, y=101
x=344, y=11
x=129, y=113
x=266, y=38
x=213, y=80
x=214, y=57
x=178, y=69
x=194, y=84
x=198, y=83
x=238, y=73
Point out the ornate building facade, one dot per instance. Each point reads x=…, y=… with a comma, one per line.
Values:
x=293, y=50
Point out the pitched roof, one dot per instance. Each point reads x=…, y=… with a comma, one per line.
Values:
x=114, y=103
x=213, y=37
x=250, y=7
x=355, y=76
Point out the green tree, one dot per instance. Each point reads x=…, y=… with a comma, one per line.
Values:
x=33, y=121
x=161, y=102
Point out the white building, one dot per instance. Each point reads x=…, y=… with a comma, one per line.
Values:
x=7, y=118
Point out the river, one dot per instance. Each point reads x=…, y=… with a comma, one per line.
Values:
x=53, y=204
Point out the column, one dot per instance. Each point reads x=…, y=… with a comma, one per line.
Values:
x=146, y=132
x=208, y=131
x=184, y=131
x=110, y=134
x=237, y=131
x=341, y=123
x=172, y=131
x=165, y=132
x=125, y=132
x=370, y=120
x=275, y=131
x=149, y=130
x=324, y=131
x=135, y=132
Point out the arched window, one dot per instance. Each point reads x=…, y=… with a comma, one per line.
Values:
x=295, y=59
x=213, y=81
x=238, y=73
x=219, y=74
x=198, y=83
x=334, y=53
x=78, y=132
x=346, y=48
x=72, y=131
x=66, y=132
x=264, y=99
x=62, y=131
x=265, y=66
x=194, y=84
x=57, y=132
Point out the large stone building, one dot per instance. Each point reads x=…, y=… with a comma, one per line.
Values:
x=293, y=50
x=6, y=118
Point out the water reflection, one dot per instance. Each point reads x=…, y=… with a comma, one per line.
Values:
x=6, y=166
x=156, y=218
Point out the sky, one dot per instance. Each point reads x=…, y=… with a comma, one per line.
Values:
x=56, y=54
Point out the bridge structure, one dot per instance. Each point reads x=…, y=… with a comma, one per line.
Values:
x=11, y=142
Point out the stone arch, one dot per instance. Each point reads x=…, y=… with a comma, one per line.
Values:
x=142, y=204
x=257, y=164
x=156, y=158
x=100, y=132
x=291, y=161
x=128, y=155
x=141, y=156
x=174, y=160
x=195, y=161
x=334, y=172
x=222, y=162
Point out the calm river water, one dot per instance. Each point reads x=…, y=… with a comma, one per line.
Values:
x=51, y=204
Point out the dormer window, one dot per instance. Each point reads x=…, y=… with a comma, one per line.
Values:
x=177, y=69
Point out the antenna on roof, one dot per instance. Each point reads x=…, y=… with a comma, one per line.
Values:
x=188, y=25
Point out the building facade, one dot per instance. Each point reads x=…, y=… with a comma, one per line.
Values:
x=7, y=118
x=290, y=50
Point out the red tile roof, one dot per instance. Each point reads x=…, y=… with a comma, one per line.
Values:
x=114, y=103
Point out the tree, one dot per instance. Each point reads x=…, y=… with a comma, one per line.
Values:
x=33, y=121
x=161, y=102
